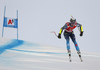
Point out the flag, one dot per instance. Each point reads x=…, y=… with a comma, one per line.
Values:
x=10, y=22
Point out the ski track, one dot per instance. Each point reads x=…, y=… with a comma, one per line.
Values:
x=22, y=55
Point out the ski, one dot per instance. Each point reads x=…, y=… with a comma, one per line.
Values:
x=70, y=58
x=54, y=33
x=80, y=58
x=79, y=54
x=69, y=53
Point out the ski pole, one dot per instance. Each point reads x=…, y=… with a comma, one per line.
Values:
x=54, y=33
x=71, y=16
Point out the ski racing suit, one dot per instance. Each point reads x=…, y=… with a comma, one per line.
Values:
x=68, y=32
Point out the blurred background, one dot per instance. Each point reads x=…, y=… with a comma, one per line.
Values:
x=36, y=18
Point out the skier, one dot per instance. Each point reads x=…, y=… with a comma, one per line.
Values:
x=68, y=32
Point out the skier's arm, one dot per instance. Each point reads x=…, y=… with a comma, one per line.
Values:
x=64, y=27
x=80, y=29
x=61, y=30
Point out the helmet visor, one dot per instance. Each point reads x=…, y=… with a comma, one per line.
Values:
x=73, y=21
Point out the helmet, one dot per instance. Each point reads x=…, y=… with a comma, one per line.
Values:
x=72, y=20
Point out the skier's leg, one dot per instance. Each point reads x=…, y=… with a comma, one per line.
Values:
x=74, y=41
x=67, y=44
x=78, y=50
x=68, y=49
x=66, y=35
x=79, y=54
x=76, y=45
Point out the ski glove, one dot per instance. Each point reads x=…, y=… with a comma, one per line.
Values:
x=81, y=34
x=59, y=36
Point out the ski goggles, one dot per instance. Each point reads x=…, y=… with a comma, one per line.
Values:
x=72, y=23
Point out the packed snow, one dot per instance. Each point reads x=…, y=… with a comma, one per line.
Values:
x=22, y=55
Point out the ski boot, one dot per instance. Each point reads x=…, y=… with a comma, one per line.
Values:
x=69, y=53
x=79, y=54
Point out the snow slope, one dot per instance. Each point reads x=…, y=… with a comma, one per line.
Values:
x=23, y=55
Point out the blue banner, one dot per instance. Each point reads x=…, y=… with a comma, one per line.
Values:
x=9, y=22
